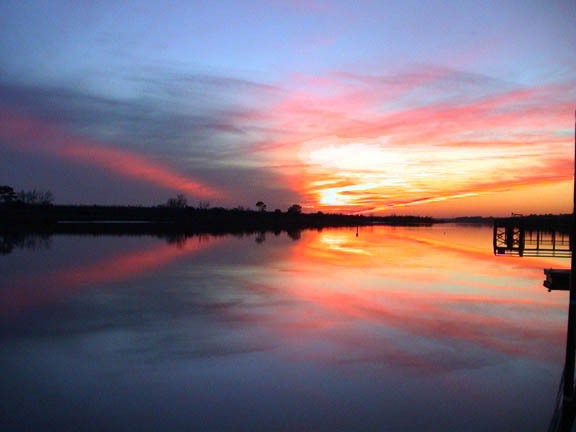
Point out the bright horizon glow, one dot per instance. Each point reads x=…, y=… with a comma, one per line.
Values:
x=351, y=157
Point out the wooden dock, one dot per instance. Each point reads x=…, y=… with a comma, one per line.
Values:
x=518, y=237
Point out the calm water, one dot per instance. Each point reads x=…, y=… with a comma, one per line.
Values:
x=398, y=329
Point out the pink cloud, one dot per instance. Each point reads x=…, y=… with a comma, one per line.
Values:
x=24, y=132
x=526, y=126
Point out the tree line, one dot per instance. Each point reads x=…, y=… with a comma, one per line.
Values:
x=8, y=196
x=180, y=201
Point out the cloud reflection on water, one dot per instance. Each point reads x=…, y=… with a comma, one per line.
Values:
x=364, y=315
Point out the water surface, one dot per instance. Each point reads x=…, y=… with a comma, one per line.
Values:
x=393, y=329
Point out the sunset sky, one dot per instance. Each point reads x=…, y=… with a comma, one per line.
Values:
x=440, y=108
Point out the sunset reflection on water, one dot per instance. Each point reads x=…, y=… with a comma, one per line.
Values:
x=380, y=328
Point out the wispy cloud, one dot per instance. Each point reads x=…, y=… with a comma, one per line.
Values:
x=335, y=142
x=175, y=131
x=365, y=143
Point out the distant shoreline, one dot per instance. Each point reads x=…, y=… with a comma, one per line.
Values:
x=187, y=218
x=84, y=218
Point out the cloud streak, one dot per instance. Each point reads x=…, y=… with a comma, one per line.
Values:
x=30, y=134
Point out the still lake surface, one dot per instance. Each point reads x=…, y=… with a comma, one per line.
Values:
x=396, y=329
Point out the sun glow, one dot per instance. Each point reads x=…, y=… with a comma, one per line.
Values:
x=341, y=243
x=366, y=148
x=374, y=176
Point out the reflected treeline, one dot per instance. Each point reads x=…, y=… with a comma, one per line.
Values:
x=23, y=240
x=294, y=234
x=40, y=238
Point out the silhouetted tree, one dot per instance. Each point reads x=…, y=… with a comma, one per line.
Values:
x=35, y=197
x=7, y=195
x=295, y=209
x=179, y=202
x=203, y=205
x=261, y=206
